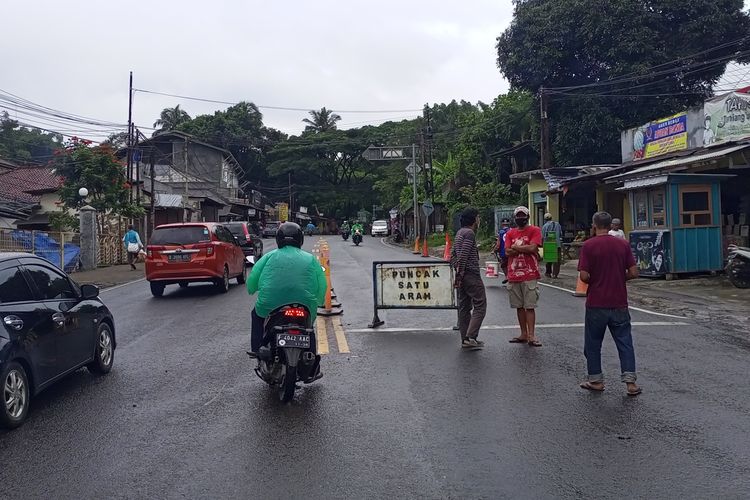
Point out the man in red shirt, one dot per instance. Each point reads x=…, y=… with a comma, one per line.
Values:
x=606, y=263
x=521, y=246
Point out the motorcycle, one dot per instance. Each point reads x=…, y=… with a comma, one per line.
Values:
x=288, y=352
x=738, y=266
x=357, y=237
x=345, y=235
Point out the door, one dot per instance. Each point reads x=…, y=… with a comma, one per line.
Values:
x=74, y=327
x=232, y=251
x=27, y=322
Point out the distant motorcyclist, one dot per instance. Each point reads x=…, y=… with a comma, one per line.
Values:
x=285, y=276
x=357, y=226
x=345, y=227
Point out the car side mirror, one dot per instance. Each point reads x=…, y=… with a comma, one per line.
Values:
x=89, y=291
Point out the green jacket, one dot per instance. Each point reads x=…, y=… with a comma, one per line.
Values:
x=284, y=276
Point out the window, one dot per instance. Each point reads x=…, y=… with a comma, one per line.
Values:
x=182, y=235
x=13, y=286
x=51, y=285
x=658, y=214
x=641, y=210
x=223, y=234
x=695, y=205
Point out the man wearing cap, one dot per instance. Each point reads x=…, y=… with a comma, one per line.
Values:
x=553, y=228
x=522, y=247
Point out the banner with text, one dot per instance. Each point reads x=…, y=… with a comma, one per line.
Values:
x=665, y=135
x=727, y=118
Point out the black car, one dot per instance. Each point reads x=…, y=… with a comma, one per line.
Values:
x=50, y=327
x=269, y=230
x=251, y=243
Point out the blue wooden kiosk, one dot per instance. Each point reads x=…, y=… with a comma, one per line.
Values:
x=676, y=223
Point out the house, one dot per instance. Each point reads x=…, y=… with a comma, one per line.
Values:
x=27, y=196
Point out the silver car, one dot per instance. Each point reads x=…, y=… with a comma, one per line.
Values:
x=379, y=228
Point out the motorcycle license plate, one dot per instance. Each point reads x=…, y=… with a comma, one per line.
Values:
x=288, y=340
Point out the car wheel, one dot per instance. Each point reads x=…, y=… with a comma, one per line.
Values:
x=157, y=289
x=14, y=404
x=242, y=277
x=105, y=351
x=222, y=285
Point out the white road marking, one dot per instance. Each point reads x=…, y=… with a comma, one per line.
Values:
x=508, y=327
x=120, y=285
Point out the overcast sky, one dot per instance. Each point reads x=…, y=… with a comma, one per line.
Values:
x=346, y=55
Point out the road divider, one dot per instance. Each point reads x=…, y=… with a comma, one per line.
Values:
x=324, y=258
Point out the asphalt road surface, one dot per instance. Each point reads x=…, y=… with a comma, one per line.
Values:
x=403, y=414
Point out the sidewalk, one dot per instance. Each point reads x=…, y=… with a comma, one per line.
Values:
x=708, y=300
x=106, y=277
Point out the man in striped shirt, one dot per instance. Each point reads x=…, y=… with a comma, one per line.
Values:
x=472, y=301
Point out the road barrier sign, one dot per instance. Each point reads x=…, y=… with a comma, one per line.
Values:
x=408, y=284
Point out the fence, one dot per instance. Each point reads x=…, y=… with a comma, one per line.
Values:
x=63, y=249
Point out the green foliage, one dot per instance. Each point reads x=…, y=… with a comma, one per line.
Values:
x=563, y=43
x=321, y=121
x=96, y=168
x=22, y=144
x=170, y=119
x=63, y=221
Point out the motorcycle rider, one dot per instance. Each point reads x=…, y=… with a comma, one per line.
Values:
x=284, y=276
x=345, y=227
x=357, y=226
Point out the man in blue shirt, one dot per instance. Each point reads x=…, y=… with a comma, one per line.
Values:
x=500, y=247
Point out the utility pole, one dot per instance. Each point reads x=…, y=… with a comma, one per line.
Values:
x=290, y=195
x=414, y=188
x=544, y=143
x=185, y=197
x=151, y=217
x=130, y=136
x=428, y=138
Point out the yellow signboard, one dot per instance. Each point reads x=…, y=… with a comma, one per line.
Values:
x=283, y=209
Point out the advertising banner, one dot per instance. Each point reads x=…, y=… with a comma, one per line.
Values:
x=665, y=135
x=727, y=118
x=283, y=209
x=651, y=252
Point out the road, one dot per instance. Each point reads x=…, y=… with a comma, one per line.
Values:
x=404, y=414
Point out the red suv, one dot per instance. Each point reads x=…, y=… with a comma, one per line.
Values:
x=193, y=252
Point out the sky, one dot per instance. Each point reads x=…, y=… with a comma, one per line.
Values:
x=390, y=56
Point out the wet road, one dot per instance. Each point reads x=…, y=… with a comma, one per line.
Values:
x=404, y=414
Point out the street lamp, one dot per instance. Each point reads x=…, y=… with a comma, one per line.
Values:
x=83, y=192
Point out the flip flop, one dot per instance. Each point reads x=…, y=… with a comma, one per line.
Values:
x=635, y=392
x=518, y=340
x=535, y=343
x=589, y=387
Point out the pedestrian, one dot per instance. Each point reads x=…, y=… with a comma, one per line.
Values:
x=522, y=247
x=472, y=301
x=133, y=245
x=552, y=229
x=502, y=257
x=606, y=263
x=616, y=230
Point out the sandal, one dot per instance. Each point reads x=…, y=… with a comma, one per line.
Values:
x=635, y=392
x=589, y=386
x=518, y=340
x=535, y=343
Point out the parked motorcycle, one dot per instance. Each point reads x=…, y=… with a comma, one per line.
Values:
x=288, y=353
x=345, y=235
x=738, y=266
x=357, y=237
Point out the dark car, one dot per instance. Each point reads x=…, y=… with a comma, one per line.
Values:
x=252, y=244
x=269, y=230
x=51, y=327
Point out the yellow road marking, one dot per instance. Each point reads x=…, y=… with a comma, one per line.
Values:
x=322, y=335
x=338, y=329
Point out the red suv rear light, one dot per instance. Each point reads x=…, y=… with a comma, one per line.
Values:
x=295, y=312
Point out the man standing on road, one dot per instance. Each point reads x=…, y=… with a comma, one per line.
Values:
x=472, y=301
x=616, y=230
x=552, y=228
x=606, y=263
x=522, y=247
x=500, y=248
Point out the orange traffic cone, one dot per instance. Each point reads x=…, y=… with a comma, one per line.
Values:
x=447, y=251
x=416, y=245
x=582, y=289
x=425, y=249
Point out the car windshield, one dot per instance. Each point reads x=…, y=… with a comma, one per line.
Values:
x=184, y=235
x=380, y=223
x=236, y=228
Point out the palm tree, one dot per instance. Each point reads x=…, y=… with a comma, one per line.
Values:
x=322, y=121
x=171, y=118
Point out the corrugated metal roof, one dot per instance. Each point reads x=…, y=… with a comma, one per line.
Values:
x=644, y=182
x=166, y=200
x=677, y=162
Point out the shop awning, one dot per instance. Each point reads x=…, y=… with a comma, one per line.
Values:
x=678, y=163
x=643, y=182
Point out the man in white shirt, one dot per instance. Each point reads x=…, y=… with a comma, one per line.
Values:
x=616, y=230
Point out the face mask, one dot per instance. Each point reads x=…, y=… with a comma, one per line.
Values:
x=522, y=222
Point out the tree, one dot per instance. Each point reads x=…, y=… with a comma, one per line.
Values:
x=117, y=140
x=661, y=56
x=322, y=121
x=23, y=144
x=80, y=164
x=170, y=119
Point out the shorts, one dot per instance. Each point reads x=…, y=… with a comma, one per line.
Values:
x=524, y=294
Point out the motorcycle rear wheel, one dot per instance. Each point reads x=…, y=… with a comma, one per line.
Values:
x=288, y=384
x=738, y=274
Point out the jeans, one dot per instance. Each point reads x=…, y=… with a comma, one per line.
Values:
x=256, y=331
x=472, y=306
x=618, y=321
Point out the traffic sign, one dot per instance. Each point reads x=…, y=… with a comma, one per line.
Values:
x=427, y=208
